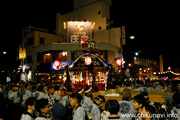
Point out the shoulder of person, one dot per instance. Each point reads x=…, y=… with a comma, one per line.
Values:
x=26, y=117
x=40, y=118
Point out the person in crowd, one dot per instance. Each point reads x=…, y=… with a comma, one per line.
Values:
x=66, y=102
x=30, y=106
x=161, y=87
x=33, y=90
x=126, y=105
x=62, y=93
x=62, y=86
x=176, y=108
x=142, y=88
x=88, y=92
x=65, y=99
x=138, y=103
x=3, y=90
x=113, y=107
x=147, y=112
x=52, y=97
x=27, y=93
x=86, y=102
x=154, y=87
x=75, y=102
x=99, y=100
x=95, y=112
x=59, y=112
x=44, y=108
x=2, y=106
x=15, y=96
x=40, y=93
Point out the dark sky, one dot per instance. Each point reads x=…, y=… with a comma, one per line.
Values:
x=153, y=24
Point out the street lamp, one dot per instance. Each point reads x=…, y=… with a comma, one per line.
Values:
x=4, y=52
x=132, y=37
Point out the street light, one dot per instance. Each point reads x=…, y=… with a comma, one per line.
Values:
x=132, y=37
x=4, y=52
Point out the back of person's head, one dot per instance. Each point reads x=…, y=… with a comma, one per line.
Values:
x=126, y=93
x=76, y=96
x=161, y=84
x=176, y=97
x=30, y=101
x=40, y=88
x=69, y=90
x=140, y=100
x=59, y=112
x=41, y=104
x=112, y=106
x=27, y=84
x=33, y=88
x=146, y=96
x=151, y=109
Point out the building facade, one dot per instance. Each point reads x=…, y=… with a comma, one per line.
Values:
x=42, y=48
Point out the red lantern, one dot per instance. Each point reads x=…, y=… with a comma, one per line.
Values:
x=56, y=65
x=88, y=60
x=83, y=41
x=118, y=62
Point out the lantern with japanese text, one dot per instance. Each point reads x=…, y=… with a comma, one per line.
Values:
x=88, y=60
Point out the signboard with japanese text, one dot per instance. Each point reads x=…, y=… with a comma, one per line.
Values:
x=77, y=31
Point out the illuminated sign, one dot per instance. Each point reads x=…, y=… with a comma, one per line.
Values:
x=62, y=65
x=77, y=31
x=56, y=65
x=118, y=62
x=87, y=60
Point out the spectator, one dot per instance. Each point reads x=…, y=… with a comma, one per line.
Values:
x=161, y=87
x=30, y=106
x=62, y=93
x=113, y=107
x=142, y=88
x=52, y=97
x=138, y=103
x=126, y=105
x=27, y=93
x=43, y=107
x=86, y=102
x=95, y=112
x=15, y=95
x=154, y=87
x=147, y=112
x=59, y=112
x=2, y=106
x=88, y=92
x=176, y=99
x=99, y=100
x=40, y=93
x=79, y=114
x=66, y=102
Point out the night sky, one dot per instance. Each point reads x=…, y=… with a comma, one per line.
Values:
x=153, y=24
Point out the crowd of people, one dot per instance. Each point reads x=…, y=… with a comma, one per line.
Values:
x=30, y=101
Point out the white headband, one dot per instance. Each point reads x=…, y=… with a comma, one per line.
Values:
x=80, y=91
x=88, y=90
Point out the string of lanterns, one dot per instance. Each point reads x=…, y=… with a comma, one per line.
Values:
x=169, y=71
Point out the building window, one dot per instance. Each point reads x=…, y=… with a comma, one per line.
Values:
x=42, y=41
x=29, y=59
x=99, y=27
x=62, y=56
x=30, y=41
x=99, y=12
x=47, y=58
